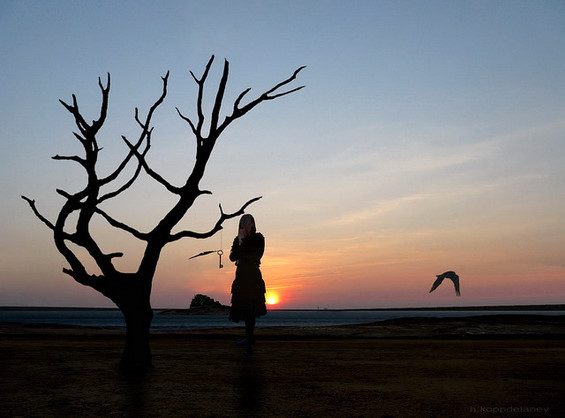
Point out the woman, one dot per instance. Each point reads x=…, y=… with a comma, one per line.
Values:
x=248, y=288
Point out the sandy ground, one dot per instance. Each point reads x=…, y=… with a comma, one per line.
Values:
x=421, y=368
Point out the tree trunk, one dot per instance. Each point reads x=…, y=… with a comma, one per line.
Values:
x=132, y=294
x=137, y=352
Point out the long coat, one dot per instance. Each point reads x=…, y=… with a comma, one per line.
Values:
x=248, y=288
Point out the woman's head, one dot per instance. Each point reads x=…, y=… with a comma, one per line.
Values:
x=246, y=226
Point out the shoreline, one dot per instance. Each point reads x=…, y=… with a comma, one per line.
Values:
x=506, y=326
x=542, y=307
x=550, y=307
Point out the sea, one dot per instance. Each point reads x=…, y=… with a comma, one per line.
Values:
x=113, y=319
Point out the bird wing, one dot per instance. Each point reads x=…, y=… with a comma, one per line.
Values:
x=436, y=283
x=455, y=280
x=202, y=253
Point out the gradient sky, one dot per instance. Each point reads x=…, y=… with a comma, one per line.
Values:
x=430, y=137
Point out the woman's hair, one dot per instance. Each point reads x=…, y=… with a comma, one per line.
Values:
x=247, y=225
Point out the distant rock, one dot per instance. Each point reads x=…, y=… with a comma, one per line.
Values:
x=200, y=305
x=203, y=301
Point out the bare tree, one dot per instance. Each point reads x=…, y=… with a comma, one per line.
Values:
x=131, y=291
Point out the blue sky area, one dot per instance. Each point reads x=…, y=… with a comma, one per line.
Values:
x=429, y=137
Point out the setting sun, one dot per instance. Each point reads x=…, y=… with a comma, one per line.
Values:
x=272, y=299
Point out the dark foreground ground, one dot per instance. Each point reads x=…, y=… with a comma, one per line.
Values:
x=493, y=366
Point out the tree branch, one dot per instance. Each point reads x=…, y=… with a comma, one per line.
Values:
x=150, y=171
x=285, y=82
x=75, y=198
x=194, y=129
x=218, y=226
x=82, y=277
x=123, y=188
x=114, y=175
x=240, y=111
x=98, y=283
x=43, y=219
x=201, y=94
x=89, y=131
x=158, y=102
x=97, y=124
x=39, y=215
x=134, y=151
x=76, y=158
x=79, y=120
x=219, y=98
x=116, y=224
x=265, y=96
x=238, y=100
x=145, y=133
x=197, y=129
x=127, y=184
x=80, y=138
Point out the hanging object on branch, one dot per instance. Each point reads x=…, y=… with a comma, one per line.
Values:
x=219, y=252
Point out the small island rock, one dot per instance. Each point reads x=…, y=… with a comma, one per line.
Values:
x=200, y=305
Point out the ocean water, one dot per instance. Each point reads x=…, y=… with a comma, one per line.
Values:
x=162, y=322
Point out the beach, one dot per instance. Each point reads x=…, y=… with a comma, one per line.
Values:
x=413, y=367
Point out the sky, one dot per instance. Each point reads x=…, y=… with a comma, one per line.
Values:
x=429, y=137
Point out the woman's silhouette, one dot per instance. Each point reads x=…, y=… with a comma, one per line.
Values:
x=248, y=288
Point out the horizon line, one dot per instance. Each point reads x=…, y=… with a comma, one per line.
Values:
x=536, y=307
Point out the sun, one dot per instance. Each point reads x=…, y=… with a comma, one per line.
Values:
x=272, y=299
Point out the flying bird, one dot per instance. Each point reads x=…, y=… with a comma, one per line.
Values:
x=451, y=275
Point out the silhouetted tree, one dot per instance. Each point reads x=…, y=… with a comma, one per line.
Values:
x=131, y=291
